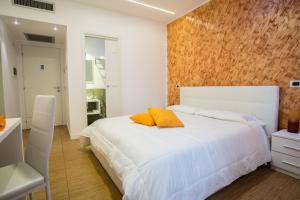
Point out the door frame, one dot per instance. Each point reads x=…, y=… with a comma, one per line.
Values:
x=22, y=83
x=100, y=36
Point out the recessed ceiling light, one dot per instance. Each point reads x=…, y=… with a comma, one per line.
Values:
x=151, y=6
x=16, y=22
x=55, y=28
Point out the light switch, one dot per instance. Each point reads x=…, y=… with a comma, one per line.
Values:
x=295, y=83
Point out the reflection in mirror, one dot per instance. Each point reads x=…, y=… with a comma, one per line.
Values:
x=89, y=71
x=1, y=87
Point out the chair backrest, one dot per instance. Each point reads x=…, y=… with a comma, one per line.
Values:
x=41, y=134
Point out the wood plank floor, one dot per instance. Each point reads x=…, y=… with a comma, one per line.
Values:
x=76, y=174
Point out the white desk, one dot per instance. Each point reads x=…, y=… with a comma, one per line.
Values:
x=11, y=143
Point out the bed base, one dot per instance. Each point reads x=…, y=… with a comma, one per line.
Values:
x=110, y=171
x=86, y=144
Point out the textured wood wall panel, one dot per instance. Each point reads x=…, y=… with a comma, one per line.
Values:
x=237, y=42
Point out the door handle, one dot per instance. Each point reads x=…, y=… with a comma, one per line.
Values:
x=111, y=86
x=289, y=163
x=57, y=88
x=290, y=147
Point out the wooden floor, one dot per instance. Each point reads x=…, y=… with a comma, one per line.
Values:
x=77, y=174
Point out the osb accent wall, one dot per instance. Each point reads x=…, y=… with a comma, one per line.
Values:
x=237, y=42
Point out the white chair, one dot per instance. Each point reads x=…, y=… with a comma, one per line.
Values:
x=17, y=180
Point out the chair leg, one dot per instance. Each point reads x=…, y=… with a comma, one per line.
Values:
x=30, y=196
x=48, y=192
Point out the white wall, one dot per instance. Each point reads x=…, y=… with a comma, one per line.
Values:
x=143, y=54
x=1, y=87
x=10, y=82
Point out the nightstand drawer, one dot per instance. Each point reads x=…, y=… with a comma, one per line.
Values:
x=285, y=162
x=286, y=146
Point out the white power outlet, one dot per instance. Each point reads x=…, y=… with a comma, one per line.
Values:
x=295, y=83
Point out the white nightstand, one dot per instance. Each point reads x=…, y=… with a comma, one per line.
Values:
x=286, y=153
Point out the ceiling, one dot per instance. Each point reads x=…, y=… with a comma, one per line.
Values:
x=35, y=27
x=180, y=7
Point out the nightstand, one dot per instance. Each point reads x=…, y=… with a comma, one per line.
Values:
x=286, y=153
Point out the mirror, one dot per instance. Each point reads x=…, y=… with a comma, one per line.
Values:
x=2, y=112
x=89, y=71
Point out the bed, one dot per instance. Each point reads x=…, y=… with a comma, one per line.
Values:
x=213, y=149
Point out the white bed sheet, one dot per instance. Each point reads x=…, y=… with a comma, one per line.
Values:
x=189, y=163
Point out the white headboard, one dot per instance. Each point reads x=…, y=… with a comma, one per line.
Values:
x=261, y=101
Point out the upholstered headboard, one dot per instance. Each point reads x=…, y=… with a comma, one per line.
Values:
x=260, y=101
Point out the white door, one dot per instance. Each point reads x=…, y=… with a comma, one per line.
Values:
x=113, y=78
x=41, y=70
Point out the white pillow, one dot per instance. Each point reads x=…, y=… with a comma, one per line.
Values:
x=183, y=109
x=228, y=116
x=251, y=118
x=217, y=114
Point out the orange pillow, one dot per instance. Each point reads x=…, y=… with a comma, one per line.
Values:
x=2, y=122
x=143, y=118
x=164, y=118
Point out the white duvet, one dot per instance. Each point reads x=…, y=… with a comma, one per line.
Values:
x=189, y=163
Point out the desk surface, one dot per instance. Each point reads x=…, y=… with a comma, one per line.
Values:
x=11, y=124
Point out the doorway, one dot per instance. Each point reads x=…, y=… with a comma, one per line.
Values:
x=102, y=64
x=41, y=76
x=35, y=63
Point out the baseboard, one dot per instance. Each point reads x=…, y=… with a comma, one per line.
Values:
x=75, y=136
